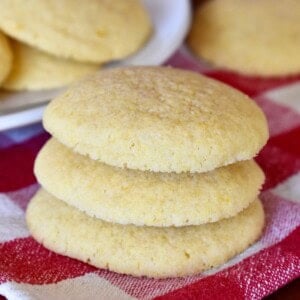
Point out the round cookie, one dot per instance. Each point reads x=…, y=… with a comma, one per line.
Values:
x=98, y=31
x=146, y=198
x=36, y=70
x=157, y=118
x=141, y=251
x=251, y=37
x=5, y=57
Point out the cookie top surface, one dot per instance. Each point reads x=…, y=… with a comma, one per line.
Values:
x=98, y=31
x=146, y=198
x=5, y=57
x=35, y=70
x=157, y=118
x=251, y=37
x=141, y=251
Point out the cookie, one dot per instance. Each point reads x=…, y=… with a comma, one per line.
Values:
x=98, y=31
x=5, y=57
x=146, y=198
x=158, y=119
x=36, y=70
x=141, y=251
x=250, y=37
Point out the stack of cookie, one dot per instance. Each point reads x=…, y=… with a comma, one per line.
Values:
x=54, y=42
x=150, y=172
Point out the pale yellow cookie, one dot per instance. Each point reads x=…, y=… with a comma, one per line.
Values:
x=157, y=119
x=146, y=198
x=5, y=57
x=141, y=251
x=90, y=31
x=252, y=37
x=35, y=70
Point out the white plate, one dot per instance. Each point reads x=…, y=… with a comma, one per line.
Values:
x=171, y=20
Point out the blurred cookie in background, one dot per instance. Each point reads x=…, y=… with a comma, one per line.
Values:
x=5, y=57
x=36, y=70
x=250, y=37
x=91, y=31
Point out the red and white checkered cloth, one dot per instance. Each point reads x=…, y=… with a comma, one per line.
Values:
x=29, y=271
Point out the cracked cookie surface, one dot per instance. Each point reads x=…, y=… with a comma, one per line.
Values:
x=158, y=119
